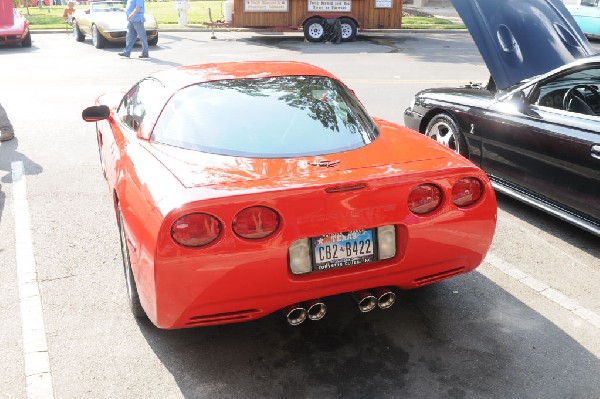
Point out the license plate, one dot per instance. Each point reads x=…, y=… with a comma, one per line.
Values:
x=343, y=249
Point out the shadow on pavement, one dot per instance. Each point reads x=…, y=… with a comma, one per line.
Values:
x=463, y=338
x=8, y=155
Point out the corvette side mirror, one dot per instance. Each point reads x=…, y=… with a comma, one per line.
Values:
x=95, y=113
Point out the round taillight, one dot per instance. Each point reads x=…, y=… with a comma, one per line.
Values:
x=255, y=222
x=467, y=191
x=424, y=199
x=196, y=229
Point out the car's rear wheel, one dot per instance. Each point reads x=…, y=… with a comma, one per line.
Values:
x=314, y=31
x=349, y=29
x=444, y=129
x=97, y=39
x=132, y=292
x=153, y=41
x=78, y=35
x=27, y=41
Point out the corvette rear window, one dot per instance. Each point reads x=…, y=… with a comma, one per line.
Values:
x=276, y=117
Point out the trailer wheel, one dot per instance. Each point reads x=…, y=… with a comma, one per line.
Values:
x=314, y=31
x=349, y=30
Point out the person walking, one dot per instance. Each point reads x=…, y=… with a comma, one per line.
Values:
x=6, y=129
x=135, y=28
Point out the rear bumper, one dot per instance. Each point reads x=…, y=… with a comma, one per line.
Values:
x=12, y=39
x=246, y=286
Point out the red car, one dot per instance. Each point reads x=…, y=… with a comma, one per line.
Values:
x=16, y=33
x=241, y=189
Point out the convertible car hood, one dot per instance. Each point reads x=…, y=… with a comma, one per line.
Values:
x=396, y=150
x=113, y=20
x=519, y=39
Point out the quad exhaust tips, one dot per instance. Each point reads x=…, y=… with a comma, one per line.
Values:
x=315, y=309
x=381, y=297
x=297, y=314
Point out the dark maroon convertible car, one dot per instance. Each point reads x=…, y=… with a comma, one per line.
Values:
x=535, y=127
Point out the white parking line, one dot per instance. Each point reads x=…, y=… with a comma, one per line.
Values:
x=544, y=289
x=35, y=348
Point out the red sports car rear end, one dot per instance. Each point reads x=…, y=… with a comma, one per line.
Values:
x=226, y=220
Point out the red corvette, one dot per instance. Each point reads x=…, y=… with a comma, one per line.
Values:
x=241, y=189
x=16, y=33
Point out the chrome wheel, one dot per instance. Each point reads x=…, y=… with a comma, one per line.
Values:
x=97, y=40
x=443, y=129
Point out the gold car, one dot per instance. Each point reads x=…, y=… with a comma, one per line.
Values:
x=106, y=22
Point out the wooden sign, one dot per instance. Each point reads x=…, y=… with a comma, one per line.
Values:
x=330, y=5
x=383, y=3
x=266, y=5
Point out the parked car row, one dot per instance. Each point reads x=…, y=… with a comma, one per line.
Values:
x=104, y=21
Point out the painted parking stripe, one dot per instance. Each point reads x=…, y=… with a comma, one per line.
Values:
x=544, y=289
x=35, y=347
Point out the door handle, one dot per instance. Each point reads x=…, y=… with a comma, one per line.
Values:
x=596, y=151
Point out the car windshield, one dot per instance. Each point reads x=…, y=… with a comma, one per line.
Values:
x=107, y=7
x=276, y=117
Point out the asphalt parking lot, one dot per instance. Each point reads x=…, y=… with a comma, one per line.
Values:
x=525, y=324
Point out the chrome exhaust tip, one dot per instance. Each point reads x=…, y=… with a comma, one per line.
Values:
x=316, y=309
x=385, y=297
x=365, y=299
x=295, y=314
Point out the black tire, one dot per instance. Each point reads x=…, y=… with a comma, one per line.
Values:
x=78, y=35
x=27, y=41
x=132, y=293
x=349, y=30
x=314, y=31
x=153, y=41
x=444, y=129
x=97, y=39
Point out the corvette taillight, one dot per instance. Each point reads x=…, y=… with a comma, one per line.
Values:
x=424, y=199
x=467, y=191
x=256, y=222
x=196, y=229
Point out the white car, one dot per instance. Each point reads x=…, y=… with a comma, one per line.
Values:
x=106, y=22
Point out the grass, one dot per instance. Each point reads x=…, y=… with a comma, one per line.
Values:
x=164, y=12
x=198, y=14
x=429, y=23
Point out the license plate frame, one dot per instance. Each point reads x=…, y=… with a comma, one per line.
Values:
x=355, y=255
